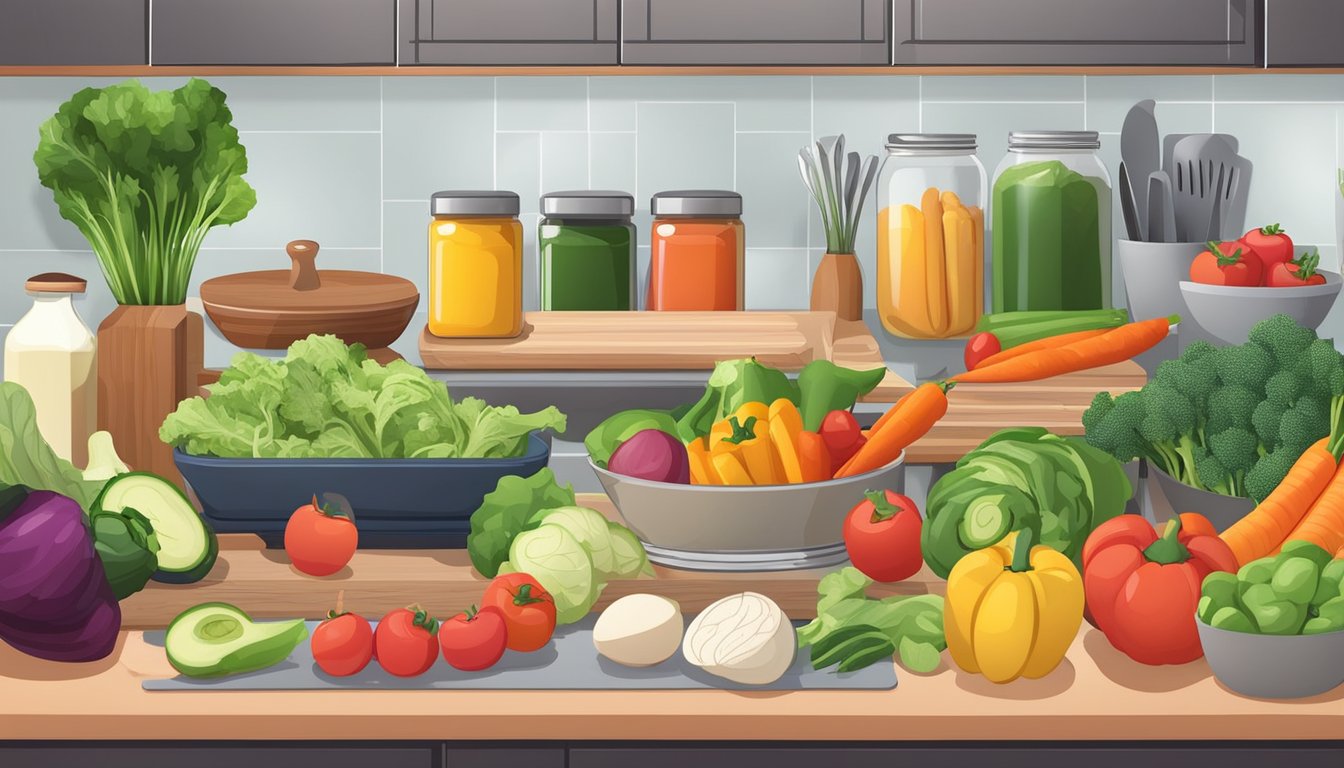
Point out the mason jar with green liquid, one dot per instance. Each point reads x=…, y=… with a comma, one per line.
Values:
x=1050, y=215
x=586, y=246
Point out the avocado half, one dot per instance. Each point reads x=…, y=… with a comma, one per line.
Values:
x=218, y=639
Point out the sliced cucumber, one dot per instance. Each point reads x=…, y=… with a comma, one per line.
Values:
x=187, y=545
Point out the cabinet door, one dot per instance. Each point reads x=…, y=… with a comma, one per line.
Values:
x=1080, y=32
x=505, y=32
x=1304, y=33
x=217, y=755
x=755, y=32
x=73, y=32
x=275, y=32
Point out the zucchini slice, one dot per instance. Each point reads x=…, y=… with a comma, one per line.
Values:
x=187, y=545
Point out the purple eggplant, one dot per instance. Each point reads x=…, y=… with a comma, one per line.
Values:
x=55, y=600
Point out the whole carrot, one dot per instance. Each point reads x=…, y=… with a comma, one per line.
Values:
x=1323, y=524
x=1046, y=343
x=814, y=457
x=907, y=421
x=1114, y=346
x=1265, y=528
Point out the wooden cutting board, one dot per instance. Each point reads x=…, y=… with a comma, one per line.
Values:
x=634, y=341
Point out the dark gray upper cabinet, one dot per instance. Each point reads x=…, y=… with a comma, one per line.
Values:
x=505, y=32
x=73, y=32
x=755, y=32
x=1304, y=33
x=276, y=32
x=1078, y=32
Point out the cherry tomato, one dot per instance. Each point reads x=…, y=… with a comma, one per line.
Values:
x=319, y=539
x=840, y=431
x=343, y=644
x=882, y=536
x=1296, y=273
x=979, y=347
x=1271, y=244
x=404, y=643
x=527, y=608
x=474, y=640
x=1232, y=263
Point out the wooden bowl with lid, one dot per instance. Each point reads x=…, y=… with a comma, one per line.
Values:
x=274, y=308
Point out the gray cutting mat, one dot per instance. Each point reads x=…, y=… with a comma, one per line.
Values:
x=568, y=662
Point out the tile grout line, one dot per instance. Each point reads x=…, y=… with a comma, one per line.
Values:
x=1084, y=102
x=382, y=183
x=588, y=124
x=494, y=134
x=811, y=137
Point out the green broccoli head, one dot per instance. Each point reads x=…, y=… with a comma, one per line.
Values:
x=1111, y=424
x=1307, y=421
x=1323, y=367
x=1195, y=378
x=1237, y=451
x=1265, y=422
x=1213, y=475
x=1269, y=471
x=1231, y=405
x=1248, y=365
x=1284, y=387
x=1282, y=338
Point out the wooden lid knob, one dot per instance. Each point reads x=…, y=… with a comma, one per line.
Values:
x=303, y=271
x=55, y=282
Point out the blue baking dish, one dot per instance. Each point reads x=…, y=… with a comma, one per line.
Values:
x=398, y=503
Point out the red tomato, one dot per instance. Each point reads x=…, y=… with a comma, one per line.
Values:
x=1297, y=272
x=1271, y=244
x=404, y=642
x=527, y=608
x=842, y=435
x=1232, y=263
x=882, y=536
x=474, y=640
x=343, y=644
x=979, y=347
x=319, y=540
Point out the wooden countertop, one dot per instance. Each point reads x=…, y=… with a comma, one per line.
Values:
x=1096, y=694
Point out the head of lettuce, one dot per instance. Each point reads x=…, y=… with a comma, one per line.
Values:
x=144, y=175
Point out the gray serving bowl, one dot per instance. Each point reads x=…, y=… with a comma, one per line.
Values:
x=1274, y=666
x=742, y=528
x=1230, y=313
x=1221, y=510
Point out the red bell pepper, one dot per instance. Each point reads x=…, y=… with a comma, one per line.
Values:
x=1143, y=589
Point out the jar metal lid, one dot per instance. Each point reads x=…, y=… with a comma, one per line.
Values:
x=1053, y=140
x=930, y=142
x=588, y=203
x=474, y=202
x=696, y=202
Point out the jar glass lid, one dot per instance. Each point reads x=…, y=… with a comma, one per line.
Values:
x=589, y=203
x=474, y=202
x=931, y=142
x=1053, y=140
x=696, y=202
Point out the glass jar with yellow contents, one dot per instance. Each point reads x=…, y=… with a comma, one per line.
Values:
x=475, y=264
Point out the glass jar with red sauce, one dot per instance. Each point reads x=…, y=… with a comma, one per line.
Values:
x=697, y=251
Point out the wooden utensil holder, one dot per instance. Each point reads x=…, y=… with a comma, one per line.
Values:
x=148, y=361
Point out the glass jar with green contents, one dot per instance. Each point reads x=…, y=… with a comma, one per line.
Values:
x=1050, y=222
x=586, y=245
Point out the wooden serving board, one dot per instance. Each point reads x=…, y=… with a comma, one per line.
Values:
x=635, y=341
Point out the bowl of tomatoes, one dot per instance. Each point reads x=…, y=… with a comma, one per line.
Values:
x=1235, y=284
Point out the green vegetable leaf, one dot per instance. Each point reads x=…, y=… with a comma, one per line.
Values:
x=732, y=383
x=25, y=457
x=128, y=548
x=824, y=387
x=589, y=527
x=918, y=656
x=552, y=556
x=504, y=513
x=845, y=612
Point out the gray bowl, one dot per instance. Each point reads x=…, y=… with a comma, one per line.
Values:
x=1221, y=510
x=744, y=528
x=1274, y=666
x=1230, y=313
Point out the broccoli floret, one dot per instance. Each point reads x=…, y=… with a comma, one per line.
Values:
x=1111, y=424
x=1248, y=365
x=1230, y=406
x=1269, y=471
x=1284, y=387
x=1304, y=423
x=1237, y=450
x=1195, y=379
x=1170, y=426
x=1283, y=338
x=1213, y=475
x=1197, y=350
x=1265, y=422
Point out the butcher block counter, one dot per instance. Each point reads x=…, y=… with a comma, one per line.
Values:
x=1096, y=694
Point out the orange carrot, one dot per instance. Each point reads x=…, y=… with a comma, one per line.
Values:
x=907, y=421
x=1114, y=346
x=814, y=457
x=1265, y=528
x=1323, y=524
x=1046, y=343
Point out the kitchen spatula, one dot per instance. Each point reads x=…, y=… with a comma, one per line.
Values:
x=1193, y=178
x=1161, y=215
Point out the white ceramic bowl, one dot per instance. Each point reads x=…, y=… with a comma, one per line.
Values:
x=1230, y=313
x=1274, y=666
x=741, y=528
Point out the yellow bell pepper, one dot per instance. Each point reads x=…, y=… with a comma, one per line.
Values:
x=749, y=444
x=1013, y=609
x=786, y=424
x=702, y=469
x=724, y=428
